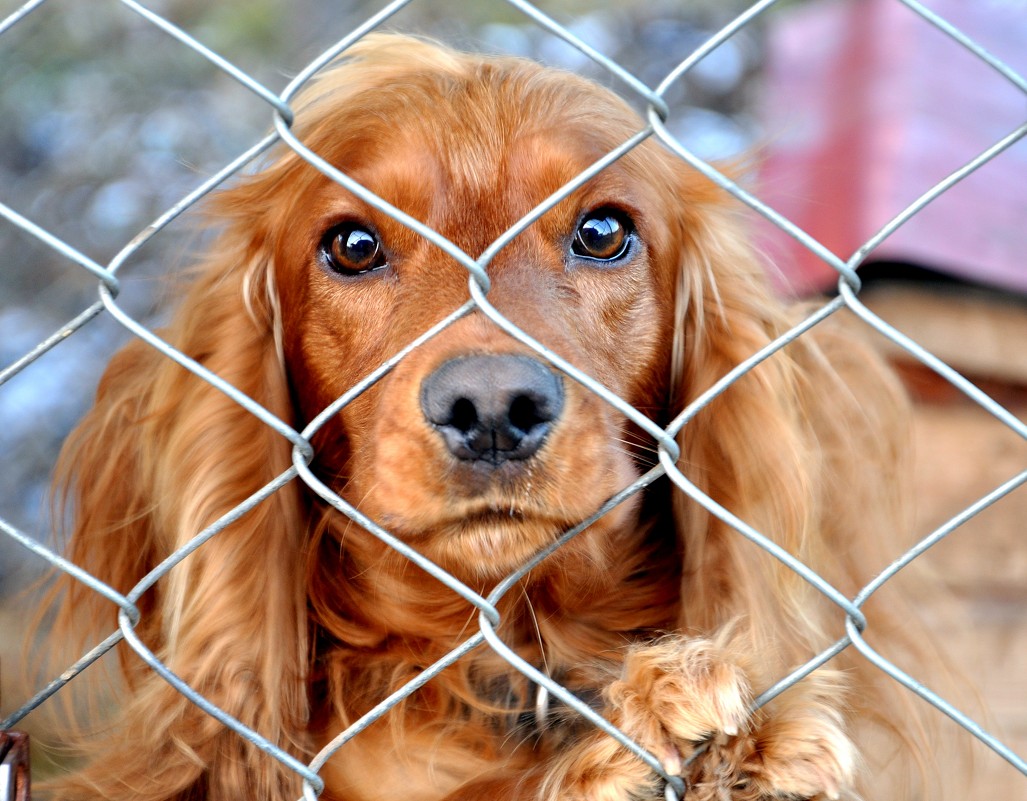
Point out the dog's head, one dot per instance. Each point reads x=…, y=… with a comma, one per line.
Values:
x=473, y=446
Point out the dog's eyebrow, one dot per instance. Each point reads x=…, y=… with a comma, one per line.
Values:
x=407, y=178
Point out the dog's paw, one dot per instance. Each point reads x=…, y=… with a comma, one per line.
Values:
x=797, y=753
x=670, y=697
x=688, y=703
x=677, y=693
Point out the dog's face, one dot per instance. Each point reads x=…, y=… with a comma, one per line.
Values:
x=473, y=448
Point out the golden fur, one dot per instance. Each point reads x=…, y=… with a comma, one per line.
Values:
x=296, y=621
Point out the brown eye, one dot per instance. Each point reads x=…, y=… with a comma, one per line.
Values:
x=351, y=249
x=604, y=235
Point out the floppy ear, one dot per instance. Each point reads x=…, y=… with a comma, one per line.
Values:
x=812, y=449
x=805, y=449
x=160, y=457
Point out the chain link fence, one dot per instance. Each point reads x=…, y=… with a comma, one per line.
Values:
x=108, y=278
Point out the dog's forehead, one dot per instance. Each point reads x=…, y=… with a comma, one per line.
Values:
x=480, y=151
x=529, y=163
x=497, y=156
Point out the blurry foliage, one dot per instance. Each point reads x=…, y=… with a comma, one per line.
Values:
x=106, y=121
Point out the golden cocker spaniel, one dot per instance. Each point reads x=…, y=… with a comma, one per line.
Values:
x=477, y=452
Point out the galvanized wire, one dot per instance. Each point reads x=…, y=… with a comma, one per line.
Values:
x=663, y=438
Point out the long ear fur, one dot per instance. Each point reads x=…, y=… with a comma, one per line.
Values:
x=162, y=456
x=774, y=447
x=811, y=449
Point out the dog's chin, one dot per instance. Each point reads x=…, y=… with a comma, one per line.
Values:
x=491, y=544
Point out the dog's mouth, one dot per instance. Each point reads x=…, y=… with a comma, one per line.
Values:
x=513, y=520
x=484, y=540
x=496, y=516
x=492, y=543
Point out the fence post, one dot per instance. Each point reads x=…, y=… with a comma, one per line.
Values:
x=14, y=767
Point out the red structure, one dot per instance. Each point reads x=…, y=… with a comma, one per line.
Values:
x=868, y=106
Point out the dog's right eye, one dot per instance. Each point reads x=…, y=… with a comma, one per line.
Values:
x=604, y=235
x=351, y=249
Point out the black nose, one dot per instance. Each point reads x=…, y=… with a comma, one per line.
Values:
x=492, y=409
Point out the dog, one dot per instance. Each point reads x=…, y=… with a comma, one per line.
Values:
x=478, y=452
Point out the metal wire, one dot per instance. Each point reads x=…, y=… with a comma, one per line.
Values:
x=663, y=438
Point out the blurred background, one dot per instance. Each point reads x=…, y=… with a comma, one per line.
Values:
x=849, y=110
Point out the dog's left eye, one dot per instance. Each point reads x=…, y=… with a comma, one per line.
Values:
x=603, y=235
x=351, y=249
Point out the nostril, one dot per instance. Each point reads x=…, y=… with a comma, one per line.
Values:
x=464, y=415
x=525, y=414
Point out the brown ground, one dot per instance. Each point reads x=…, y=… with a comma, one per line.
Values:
x=962, y=455
x=979, y=618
